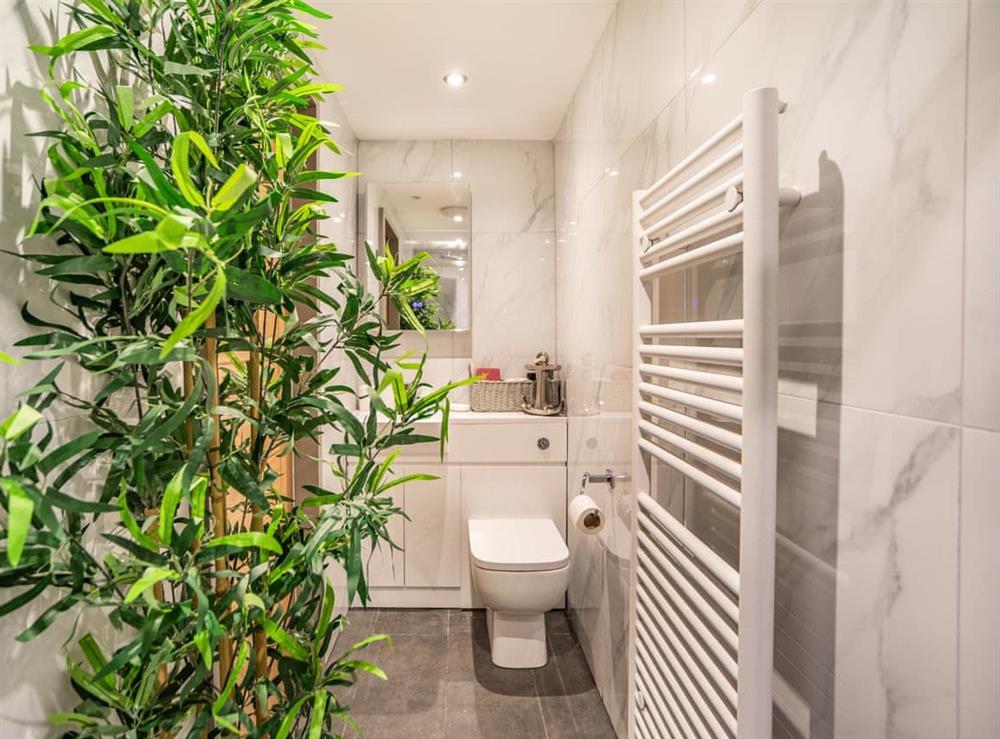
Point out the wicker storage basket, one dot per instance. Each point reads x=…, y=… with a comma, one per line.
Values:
x=505, y=395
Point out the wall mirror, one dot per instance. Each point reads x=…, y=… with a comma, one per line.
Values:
x=433, y=218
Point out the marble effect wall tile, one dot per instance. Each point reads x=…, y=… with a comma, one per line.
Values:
x=645, y=67
x=512, y=184
x=897, y=552
x=707, y=24
x=900, y=165
x=514, y=299
x=599, y=570
x=982, y=228
x=404, y=161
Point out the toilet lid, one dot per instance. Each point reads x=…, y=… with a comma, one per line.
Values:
x=517, y=544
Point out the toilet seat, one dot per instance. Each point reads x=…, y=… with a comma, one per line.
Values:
x=517, y=545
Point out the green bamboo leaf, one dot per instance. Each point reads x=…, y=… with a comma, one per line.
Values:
x=234, y=674
x=45, y=620
x=19, y=510
x=247, y=539
x=318, y=713
x=184, y=69
x=172, y=230
x=126, y=106
x=146, y=242
x=18, y=422
x=180, y=161
x=286, y=724
x=25, y=597
x=132, y=525
x=202, y=643
x=193, y=320
x=283, y=149
x=232, y=190
x=288, y=644
x=168, y=506
x=75, y=41
x=150, y=577
x=95, y=656
x=199, y=491
x=6, y=358
x=250, y=287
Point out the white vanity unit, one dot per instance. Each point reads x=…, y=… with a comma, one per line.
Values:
x=496, y=465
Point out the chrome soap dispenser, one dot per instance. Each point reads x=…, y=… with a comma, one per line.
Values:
x=546, y=390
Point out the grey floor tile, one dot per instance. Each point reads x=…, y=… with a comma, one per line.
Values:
x=579, y=697
x=473, y=712
x=557, y=622
x=444, y=684
x=424, y=622
x=469, y=661
x=462, y=620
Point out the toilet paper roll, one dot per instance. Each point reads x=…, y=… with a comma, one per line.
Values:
x=585, y=515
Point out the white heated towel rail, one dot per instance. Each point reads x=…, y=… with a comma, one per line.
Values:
x=706, y=407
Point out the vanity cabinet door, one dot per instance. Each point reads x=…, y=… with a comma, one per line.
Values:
x=433, y=531
x=384, y=565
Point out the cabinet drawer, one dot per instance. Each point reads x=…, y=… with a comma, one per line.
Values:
x=521, y=443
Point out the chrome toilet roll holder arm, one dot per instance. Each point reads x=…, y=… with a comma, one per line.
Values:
x=609, y=477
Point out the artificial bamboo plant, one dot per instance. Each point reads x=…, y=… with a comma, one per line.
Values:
x=180, y=216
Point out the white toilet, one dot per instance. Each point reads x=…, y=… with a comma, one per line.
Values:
x=520, y=567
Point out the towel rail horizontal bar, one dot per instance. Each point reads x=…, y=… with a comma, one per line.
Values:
x=673, y=554
x=668, y=707
x=689, y=159
x=698, y=709
x=697, y=619
x=712, y=484
x=676, y=687
x=641, y=730
x=663, y=567
x=703, y=174
x=700, y=230
x=715, y=354
x=717, y=194
x=673, y=712
x=716, y=407
x=714, y=684
x=656, y=714
x=707, y=430
x=714, y=250
x=715, y=564
x=719, y=461
x=695, y=377
x=729, y=328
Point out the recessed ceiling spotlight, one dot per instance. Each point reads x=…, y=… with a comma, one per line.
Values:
x=455, y=79
x=456, y=175
x=708, y=78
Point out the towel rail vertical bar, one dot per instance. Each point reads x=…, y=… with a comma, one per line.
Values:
x=760, y=382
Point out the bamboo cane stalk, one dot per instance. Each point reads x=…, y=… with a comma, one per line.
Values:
x=218, y=495
x=257, y=524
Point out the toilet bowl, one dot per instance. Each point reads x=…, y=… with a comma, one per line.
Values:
x=520, y=567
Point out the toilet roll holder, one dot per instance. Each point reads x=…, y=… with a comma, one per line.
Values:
x=609, y=477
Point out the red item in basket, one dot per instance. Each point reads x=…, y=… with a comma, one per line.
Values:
x=489, y=373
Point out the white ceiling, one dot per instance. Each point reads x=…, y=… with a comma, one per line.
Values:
x=524, y=59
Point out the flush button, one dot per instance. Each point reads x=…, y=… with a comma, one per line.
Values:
x=543, y=443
